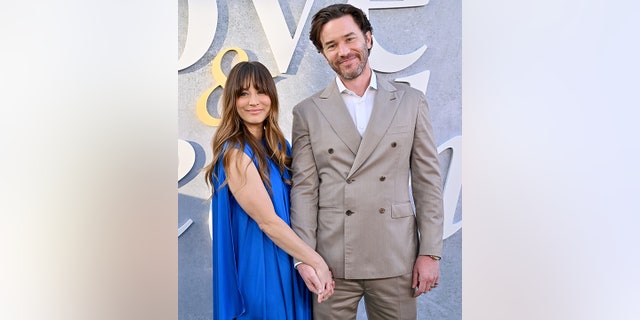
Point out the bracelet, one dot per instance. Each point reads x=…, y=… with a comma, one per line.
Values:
x=436, y=258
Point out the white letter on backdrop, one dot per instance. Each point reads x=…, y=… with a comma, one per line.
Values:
x=452, y=186
x=186, y=158
x=278, y=35
x=418, y=81
x=381, y=59
x=203, y=20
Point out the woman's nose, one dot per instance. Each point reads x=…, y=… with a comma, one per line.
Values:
x=253, y=99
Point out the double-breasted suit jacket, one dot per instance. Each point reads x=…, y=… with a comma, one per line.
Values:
x=351, y=198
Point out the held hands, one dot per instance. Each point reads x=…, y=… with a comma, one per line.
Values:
x=319, y=282
x=426, y=273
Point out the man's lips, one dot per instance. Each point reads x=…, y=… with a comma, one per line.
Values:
x=347, y=59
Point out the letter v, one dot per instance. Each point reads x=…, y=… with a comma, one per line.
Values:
x=278, y=35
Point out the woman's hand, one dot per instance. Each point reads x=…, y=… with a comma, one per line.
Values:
x=318, y=281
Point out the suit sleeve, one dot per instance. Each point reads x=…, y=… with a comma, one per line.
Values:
x=426, y=183
x=304, y=191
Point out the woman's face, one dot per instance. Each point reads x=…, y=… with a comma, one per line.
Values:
x=253, y=107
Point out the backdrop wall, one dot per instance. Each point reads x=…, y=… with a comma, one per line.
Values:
x=415, y=41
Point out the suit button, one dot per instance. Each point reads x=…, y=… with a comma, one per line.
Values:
x=381, y=210
x=393, y=144
x=349, y=212
x=383, y=178
x=349, y=181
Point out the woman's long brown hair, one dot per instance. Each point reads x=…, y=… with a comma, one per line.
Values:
x=233, y=133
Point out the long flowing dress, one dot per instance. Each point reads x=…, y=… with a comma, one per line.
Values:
x=252, y=277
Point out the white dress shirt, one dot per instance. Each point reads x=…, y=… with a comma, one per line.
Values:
x=359, y=107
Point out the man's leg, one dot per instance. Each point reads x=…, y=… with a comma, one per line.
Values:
x=343, y=304
x=390, y=298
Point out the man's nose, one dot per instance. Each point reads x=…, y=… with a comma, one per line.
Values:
x=343, y=49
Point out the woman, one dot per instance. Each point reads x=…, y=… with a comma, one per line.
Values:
x=253, y=271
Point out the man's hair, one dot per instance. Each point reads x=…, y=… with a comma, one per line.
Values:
x=335, y=11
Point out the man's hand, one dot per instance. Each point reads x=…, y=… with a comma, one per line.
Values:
x=426, y=273
x=312, y=280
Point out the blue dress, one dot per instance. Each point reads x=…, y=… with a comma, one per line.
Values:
x=252, y=277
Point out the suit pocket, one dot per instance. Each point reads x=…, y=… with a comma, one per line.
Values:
x=401, y=210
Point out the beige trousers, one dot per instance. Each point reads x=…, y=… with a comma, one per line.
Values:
x=384, y=299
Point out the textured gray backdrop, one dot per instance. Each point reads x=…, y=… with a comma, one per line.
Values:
x=400, y=31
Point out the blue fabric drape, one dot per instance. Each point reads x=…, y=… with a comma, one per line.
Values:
x=252, y=277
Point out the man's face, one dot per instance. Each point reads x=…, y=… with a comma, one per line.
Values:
x=345, y=47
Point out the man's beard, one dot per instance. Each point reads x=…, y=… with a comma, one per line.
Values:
x=353, y=74
x=358, y=70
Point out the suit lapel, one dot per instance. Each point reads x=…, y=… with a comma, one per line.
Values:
x=333, y=109
x=384, y=109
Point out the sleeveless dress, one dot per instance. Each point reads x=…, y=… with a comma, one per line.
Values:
x=252, y=277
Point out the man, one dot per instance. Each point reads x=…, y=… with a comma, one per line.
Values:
x=356, y=144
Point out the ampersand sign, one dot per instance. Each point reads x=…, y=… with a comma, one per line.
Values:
x=219, y=79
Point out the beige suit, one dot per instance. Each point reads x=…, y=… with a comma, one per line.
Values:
x=351, y=197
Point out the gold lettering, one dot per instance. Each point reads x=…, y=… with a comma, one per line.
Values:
x=219, y=79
